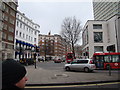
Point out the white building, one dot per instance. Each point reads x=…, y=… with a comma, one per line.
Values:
x=114, y=32
x=26, y=36
x=97, y=35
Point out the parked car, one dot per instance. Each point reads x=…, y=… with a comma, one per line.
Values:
x=57, y=61
x=40, y=59
x=80, y=65
x=28, y=61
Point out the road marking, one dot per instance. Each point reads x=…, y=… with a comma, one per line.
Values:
x=62, y=86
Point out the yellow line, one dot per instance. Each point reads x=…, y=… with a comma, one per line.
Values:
x=70, y=85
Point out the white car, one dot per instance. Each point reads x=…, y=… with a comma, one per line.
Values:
x=80, y=65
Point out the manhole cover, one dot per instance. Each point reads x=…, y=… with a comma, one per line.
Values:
x=61, y=75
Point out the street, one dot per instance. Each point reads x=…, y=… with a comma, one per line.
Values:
x=53, y=73
x=50, y=65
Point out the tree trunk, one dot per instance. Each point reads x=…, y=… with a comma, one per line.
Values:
x=73, y=49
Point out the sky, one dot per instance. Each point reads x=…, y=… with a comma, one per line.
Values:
x=49, y=14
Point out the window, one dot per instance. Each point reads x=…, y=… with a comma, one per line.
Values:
x=74, y=62
x=97, y=26
x=13, y=5
x=6, y=18
x=35, y=32
x=5, y=26
x=34, y=39
x=10, y=37
x=4, y=35
x=11, y=29
x=20, y=25
x=6, y=8
x=24, y=27
x=17, y=16
x=115, y=58
x=82, y=61
x=17, y=23
x=29, y=37
x=9, y=46
x=27, y=28
x=26, y=36
x=12, y=12
x=11, y=21
x=16, y=32
x=98, y=37
x=106, y=58
x=4, y=46
x=98, y=49
x=23, y=35
x=20, y=34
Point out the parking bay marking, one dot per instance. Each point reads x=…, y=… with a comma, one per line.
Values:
x=62, y=86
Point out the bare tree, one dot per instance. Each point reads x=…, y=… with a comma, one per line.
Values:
x=71, y=29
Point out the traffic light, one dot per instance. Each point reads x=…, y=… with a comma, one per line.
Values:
x=111, y=48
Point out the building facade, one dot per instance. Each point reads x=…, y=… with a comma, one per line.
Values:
x=104, y=10
x=53, y=46
x=1, y=26
x=26, y=37
x=98, y=35
x=114, y=32
x=7, y=20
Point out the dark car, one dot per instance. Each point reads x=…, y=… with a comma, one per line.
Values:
x=40, y=59
x=28, y=61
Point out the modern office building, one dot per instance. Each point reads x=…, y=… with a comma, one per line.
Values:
x=8, y=12
x=99, y=34
x=26, y=37
x=53, y=46
x=105, y=9
x=114, y=32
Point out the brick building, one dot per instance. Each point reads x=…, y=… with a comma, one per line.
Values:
x=8, y=12
x=53, y=46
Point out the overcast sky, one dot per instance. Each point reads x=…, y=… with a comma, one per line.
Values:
x=50, y=14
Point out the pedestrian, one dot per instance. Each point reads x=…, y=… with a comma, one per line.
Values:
x=13, y=75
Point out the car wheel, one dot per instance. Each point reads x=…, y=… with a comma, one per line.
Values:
x=86, y=69
x=67, y=68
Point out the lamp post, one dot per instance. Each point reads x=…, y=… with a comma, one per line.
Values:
x=35, y=54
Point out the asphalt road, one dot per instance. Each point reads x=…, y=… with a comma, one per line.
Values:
x=51, y=65
x=50, y=73
x=60, y=67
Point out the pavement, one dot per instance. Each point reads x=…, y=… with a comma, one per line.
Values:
x=40, y=76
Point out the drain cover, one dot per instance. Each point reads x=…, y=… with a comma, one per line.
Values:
x=61, y=75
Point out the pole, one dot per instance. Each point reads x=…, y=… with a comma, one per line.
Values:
x=109, y=65
x=35, y=60
x=35, y=56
